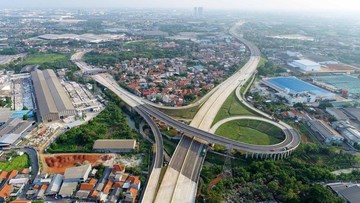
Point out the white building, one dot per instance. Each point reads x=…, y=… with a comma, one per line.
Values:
x=305, y=65
x=55, y=184
x=77, y=174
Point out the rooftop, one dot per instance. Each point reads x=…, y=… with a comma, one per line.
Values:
x=68, y=189
x=295, y=85
x=307, y=62
x=77, y=172
x=114, y=144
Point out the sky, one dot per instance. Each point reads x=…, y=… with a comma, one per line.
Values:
x=306, y=5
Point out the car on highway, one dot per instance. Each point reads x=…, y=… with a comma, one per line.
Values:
x=203, y=152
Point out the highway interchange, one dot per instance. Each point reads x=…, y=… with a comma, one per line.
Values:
x=180, y=181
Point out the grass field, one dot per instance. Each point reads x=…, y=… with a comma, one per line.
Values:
x=231, y=107
x=251, y=131
x=17, y=163
x=182, y=113
x=44, y=58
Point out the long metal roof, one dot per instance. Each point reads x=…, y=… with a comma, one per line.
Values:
x=50, y=95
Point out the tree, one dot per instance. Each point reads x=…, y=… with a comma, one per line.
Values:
x=324, y=105
x=25, y=117
x=319, y=194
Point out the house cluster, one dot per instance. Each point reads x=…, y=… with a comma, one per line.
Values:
x=81, y=183
x=169, y=81
x=12, y=183
x=176, y=81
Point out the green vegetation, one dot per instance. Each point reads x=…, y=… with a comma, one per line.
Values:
x=141, y=49
x=169, y=146
x=109, y=124
x=188, y=113
x=38, y=201
x=232, y=107
x=44, y=58
x=5, y=102
x=290, y=180
x=8, y=51
x=100, y=170
x=306, y=134
x=251, y=131
x=46, y=61
x=267, y=68
x=16, y=163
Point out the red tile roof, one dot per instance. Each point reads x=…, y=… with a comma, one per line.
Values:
x=24, y=171
x=118, y=185
x=44, y=187
x=5, y=191
x=13, y=174
x=118, y=168
x=3, y=175
x=108, y=186
x=86, y=186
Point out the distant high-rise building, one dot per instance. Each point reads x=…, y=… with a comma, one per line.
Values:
x=195, y=12
x=198, y=12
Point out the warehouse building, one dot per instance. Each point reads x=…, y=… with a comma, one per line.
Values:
x=77, y=174
x=295, y=90
x=12, y=131
x=52, y=101
x=115, y=146
x=305, y=65
x=326, y=133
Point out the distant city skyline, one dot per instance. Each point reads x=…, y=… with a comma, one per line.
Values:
x=306, y=5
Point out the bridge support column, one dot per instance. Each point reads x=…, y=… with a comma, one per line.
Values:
x=262, y=156
x=252, y=155
x=274, y=156
x=282, y=155
x=246, y=155
x=257, y=155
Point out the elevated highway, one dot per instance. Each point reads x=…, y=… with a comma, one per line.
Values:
x=180, y=180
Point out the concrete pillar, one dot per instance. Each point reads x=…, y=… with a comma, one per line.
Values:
x=274, y=156
x=282, y=155
x=252, y=155
x=246, y=155
x=257, y=155
x=262, y=156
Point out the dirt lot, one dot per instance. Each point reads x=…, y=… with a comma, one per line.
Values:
x=57, y=163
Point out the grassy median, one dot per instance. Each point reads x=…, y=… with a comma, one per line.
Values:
x=251, y=132
x=232, y=107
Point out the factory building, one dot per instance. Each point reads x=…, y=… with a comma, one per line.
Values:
x=295, y=90
x=52, y=101
x=305, y=65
